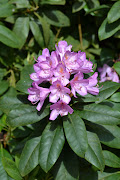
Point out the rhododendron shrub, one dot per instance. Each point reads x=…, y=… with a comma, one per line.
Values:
x=65, y=71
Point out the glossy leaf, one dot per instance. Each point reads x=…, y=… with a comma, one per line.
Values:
x=94, y=152
x=108, y=134
x=45, y=28
x=3, y=86
x=100, y=114
x=25, y=82
x=103, y=6
x=92, y=3
x=51, y=144
x=37, y=33
x=8, y=37
x=11, y=168
x=67, y=166
x=114, y=13
x=2, y=73
x=56, y=18
x=25, y=114
x=53, y=2
x=108, y=175
x=9, y=101
x=29, y=156
x=117, y=67
x=106, y=30
x=77, y=6
x=75, y=133
x=21, y=29
x=3, y=174
x=111, y=159
x=21, y=3
x=86, y=98
x=115, y=97
x=106, y=90
x=6, y=10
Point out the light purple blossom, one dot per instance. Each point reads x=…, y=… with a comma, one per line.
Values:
x=37, y=94
x=71, y=62
x=62, y=48
x=108, y=74
x=78, y=84
x=59, y=91
x=60, y=108
x=61, y=74
x=64, y=70
x=91, y=87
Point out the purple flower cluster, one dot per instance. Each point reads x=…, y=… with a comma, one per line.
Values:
x=63, y=69
x=108, y=74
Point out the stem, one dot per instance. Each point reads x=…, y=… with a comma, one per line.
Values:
x=80, y=32
x=57, y=34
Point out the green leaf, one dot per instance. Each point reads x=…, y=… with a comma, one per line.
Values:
x=114, y=13
x=115, y=97
x=100, y=114
x=2, y=73
x=111, y=159
x=117, y=67
x=37, y=33
x=3, y=1
x=25, y=82
x=3, y=86
x=92, y=3
x=21, y=29
x=106, y=54
x=8, y=37
x=25, y=114
x=29, y=156
x=75, y=133
x=106, y=30
x=21, y=3
x=106, y=90
x=108, y=134
x=108, y=176
x=103, y=6
x=3, y=122
x=3, y=174
x=56, y=18
x=9, y=101
x=6, y=10
x=11, y=168
x=77, y=6
x=53, y=2
x=67, y=166
x=51, y=144
x=86, y=98
x=45, y=27
x=94, y=152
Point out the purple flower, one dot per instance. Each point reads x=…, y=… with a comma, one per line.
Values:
x=79, y=85
x=37, y=94
x=108, y=74
x=45, y=54
x=70, y=60
x=61, y=74
x=59, y=108
x=85, y=65
x=62, y=69
x=92, y=83
x=62, y=48
x=59, y=91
